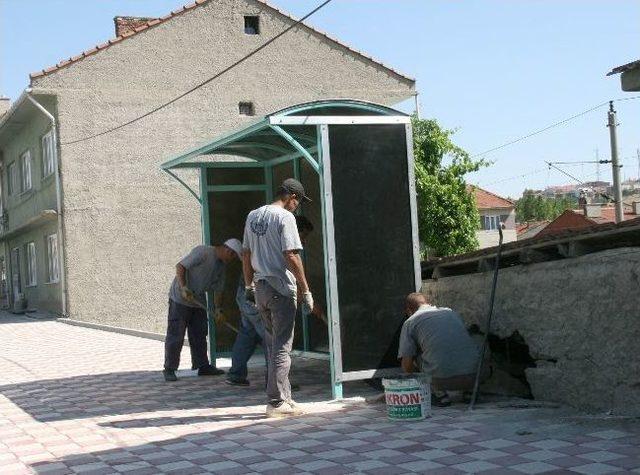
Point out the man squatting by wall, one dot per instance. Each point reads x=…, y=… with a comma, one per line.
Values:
x=434, y=341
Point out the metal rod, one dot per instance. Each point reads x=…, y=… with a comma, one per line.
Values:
x=179, y=180
x=483, y=350
x=206, y=239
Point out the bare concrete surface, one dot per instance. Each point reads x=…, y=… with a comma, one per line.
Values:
x=80, y=400
x=578, y=317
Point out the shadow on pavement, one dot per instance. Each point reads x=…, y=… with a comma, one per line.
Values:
x=122, y=393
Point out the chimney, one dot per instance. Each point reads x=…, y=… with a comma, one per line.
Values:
x=126, y=24
x=636, y=207
x=5, y=105
x=592, y=210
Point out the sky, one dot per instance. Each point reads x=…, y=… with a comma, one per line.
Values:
x=492, y=70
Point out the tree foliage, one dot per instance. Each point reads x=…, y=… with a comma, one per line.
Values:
x=447, y=214
x=537, y=208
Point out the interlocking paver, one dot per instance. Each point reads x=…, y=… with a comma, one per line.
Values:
x=111, y=412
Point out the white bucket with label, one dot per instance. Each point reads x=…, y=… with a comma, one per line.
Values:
x=408, y=398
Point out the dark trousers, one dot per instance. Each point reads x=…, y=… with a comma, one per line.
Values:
x=278, y=315
x=193, y=320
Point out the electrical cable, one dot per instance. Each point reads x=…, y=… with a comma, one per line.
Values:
x=203, y=83
x=555, y=124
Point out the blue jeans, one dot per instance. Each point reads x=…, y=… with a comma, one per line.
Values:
x=250, y=334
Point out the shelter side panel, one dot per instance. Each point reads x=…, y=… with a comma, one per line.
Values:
x=373, y=238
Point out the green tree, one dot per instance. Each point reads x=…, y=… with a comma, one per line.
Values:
x=537, y=208
x=447, y=214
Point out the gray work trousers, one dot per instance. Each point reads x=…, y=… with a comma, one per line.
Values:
x=278, y=313
x=193, y=320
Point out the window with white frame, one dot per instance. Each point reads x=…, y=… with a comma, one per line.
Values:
x=48, y=154
x=32, y=269
x=490, y=223
x=25, y=168
x=53, y=270
x=12, y=178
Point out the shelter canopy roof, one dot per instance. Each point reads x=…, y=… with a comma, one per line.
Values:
x=285, y=132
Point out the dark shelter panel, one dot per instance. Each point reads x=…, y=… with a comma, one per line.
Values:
x=227, y=214
x=314, y=261
x=373, y=238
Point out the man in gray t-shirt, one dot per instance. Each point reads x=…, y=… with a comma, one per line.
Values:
x=273, y=271
x=435, y=341
x=200, y=271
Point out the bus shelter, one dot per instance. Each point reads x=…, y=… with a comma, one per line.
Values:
x=355, y=160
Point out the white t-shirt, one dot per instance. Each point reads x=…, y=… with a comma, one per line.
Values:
x=268, y=232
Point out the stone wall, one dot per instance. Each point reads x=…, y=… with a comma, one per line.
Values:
x=580, y=318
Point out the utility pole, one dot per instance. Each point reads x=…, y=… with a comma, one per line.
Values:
x=415, y=96
x=617, y=190
x=597, y=165
x=638, y=154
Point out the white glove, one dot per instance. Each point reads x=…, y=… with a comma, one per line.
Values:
x=307, y=300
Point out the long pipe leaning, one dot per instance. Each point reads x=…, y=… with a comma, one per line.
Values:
x=61, y=249
x=485, y=341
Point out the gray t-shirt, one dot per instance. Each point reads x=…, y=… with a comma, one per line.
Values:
x=441, y=339
x=268, y=232
x=205, y=272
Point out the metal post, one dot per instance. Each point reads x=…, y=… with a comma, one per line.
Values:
x=617, y=190
x=331, y=282
x=206, y=240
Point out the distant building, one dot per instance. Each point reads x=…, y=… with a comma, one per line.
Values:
x=494, y=210
x=588, y=216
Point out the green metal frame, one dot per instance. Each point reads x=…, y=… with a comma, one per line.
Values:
x=267, y=144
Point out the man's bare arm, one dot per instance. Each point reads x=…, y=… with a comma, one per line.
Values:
x=294, y=264
x=181, y=275
x=247, y=269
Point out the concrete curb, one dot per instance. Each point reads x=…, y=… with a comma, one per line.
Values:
x=112, y=329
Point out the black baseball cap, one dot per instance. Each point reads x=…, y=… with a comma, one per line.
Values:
x=293, y=186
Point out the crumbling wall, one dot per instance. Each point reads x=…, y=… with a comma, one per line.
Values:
x=580, y=318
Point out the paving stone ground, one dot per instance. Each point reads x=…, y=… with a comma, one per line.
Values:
x=78, y=400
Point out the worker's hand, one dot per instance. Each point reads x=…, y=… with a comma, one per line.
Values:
x=307, y=301
x=187, y=294
x=219, y=317
x=250, y=294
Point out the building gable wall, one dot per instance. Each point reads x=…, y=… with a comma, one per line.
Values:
x=126, y=223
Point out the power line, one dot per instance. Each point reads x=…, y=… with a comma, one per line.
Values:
x=198, y=86
x=549, y=127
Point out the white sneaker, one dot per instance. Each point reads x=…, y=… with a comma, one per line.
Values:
x=283, y=410
x=296, y=407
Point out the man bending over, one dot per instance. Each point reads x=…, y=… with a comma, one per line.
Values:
x=435, y=342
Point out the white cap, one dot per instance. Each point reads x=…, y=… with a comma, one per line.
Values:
x=235, y=245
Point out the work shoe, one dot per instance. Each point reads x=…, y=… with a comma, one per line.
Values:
x=169, y=375
x=296, y=407
x=440, y=399
x=283, y=410
x=237, y=382
x=209, y=370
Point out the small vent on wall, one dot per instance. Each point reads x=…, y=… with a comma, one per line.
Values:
x=246, y=108
x=252, y=25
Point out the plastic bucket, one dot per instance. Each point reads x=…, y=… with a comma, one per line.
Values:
x=408, y=399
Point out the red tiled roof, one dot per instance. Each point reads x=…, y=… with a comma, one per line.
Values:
x=575, y=219
x=197, y=3
x=487, y=200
